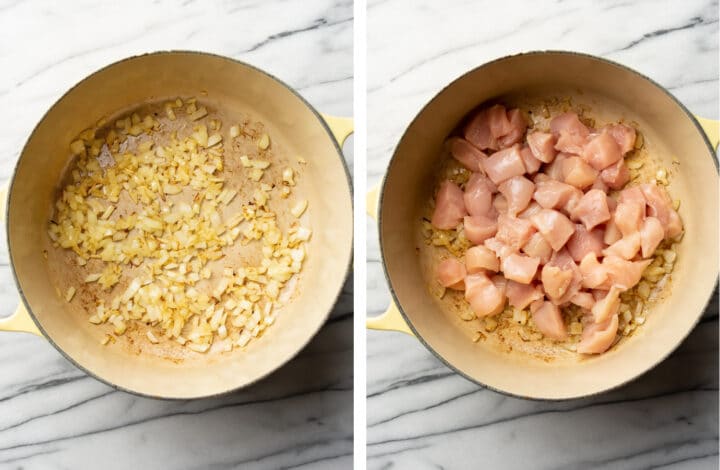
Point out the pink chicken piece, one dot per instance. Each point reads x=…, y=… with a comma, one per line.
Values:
x=623, y=273
x=504, y=164
x=628, y=217
x=466, y=153
x=532, y=209
x=520, y=268
x=542, y=146
x=498, y=121
x=627, y=247
x=500, y=204
x=612, y=233
x=592, y=209
x=478, y=194
x=562, y=259
x=480, y=258
x=518, y=192
x=632, y=195
x=601, y=151
x=554, y=226
x=479, y=228
x=598, y=337
x=500, y=249
x=578, y=173
x=501, y=283
x=616, y=175
x=660, y=207
x=449, y=206
x=583, y=300
x=514, y=232
x=538, y=247
x=554, y=170
x=555, y=281
x=532, y=164
x=594, y=274
x=585, y=241
x=521, y=295
x=549, y=321
x=518, y=126
x=484, y=297
x=607, y=306
x=600, y=184
x=552, y=194
x=624, y=136
x=651, y=234
x=451, y=274
x=478, y=133
x=571, y=134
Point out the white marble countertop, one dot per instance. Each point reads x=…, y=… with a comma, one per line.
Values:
x=420, y=414
x=54, y=416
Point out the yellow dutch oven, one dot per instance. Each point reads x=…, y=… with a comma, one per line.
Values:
x=234, y=89
x=612, y=92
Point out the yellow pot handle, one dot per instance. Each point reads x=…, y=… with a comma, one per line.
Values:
x=20, y=320
x=392, y=319
x=341, y=127
x=712, y=130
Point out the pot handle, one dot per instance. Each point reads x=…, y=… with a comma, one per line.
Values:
x=341, y=127
x=712, y=130
x=391, y=319
x=20, y=319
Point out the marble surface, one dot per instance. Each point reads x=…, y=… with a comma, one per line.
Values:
x=51, y=414
x=421, y=415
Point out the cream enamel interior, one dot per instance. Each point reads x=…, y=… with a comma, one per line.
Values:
x=234, y=88
x=614, y=93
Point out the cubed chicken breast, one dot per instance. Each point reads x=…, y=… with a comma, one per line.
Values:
x=504, y=164
x=520, y=268
x=484, y=297
x=601, y=151
x=607, y=306
x=651, y=234
x=594, y=274
x=616, y=175
x=480, y=258
x=571, y=133
x=518, y=126
x=514, y=232
x=479, y=228
x=466, y=153
x=627, y=247
x=549, y=321
x=578, y=173
x=583, y=300
x=592, y=209
x=552, y=194
x=449, y=206
x=478, y=194
x=518, y=192
x=598, y=337
x=521, y=295
x=624, y=136
x=585, y=241
x=554, y=226
x=623, y=273
x=538, y=247
x=451, y=274
x=542, y=146
x=532, y=164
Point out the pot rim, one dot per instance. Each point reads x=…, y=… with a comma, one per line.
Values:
x=21, y=293
x=381, y=195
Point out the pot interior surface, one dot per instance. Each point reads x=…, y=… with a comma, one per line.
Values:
x=609, y=93
x=234, y=93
